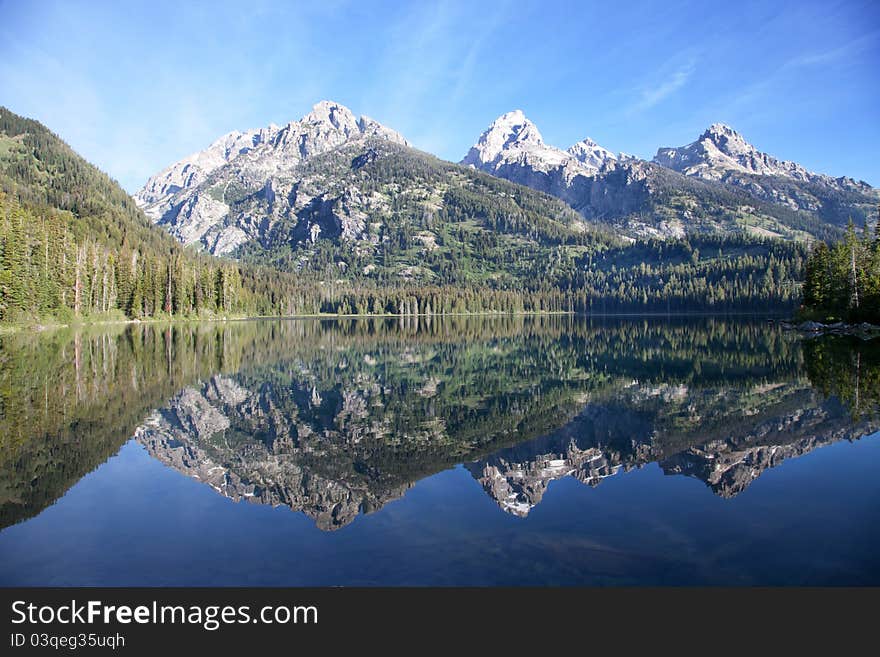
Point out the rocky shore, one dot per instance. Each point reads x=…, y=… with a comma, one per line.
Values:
x=863, y=330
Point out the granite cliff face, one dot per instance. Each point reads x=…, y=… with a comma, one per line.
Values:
x=512, y=148
x=721, y=149
x=514, y=141
x=192, y=170
x=591, y=154
x=195, y=198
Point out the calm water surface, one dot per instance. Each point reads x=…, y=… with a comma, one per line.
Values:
x=474, y=451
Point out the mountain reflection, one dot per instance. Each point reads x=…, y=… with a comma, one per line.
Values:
x=337, y=418
x=631, y=431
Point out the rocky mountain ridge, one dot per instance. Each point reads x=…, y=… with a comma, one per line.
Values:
x=756, y=193
x=287, y=190
x=722, y=154
x=332, y=191
x=193, y=169
x=512, y=139
x=720, y=148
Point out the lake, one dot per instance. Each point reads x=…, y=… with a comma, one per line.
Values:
x=514, y=450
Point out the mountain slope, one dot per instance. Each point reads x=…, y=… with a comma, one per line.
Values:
x=258, y=154
x=721, y=154
x=193, y=169
x=342, y=197
x=41, y=171
x=646, y=200
x=591, y=154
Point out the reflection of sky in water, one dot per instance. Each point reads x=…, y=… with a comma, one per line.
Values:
x=133, y=521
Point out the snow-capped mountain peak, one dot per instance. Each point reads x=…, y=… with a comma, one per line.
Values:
x=728, y=141
x=327, y=126
x=721, y=154
x=331, y=116
x=513, y=148
x=511, y=131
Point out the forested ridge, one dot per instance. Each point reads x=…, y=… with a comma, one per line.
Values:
x=74, y=244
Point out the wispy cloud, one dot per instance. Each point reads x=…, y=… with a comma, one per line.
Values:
x=656, y=93
x=831, y=55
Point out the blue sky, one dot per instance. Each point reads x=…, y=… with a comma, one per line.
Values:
x=134, y=86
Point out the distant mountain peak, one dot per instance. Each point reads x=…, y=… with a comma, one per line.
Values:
x=510, y=131
x=720, y=129
x=721, y=154
x=590, y=153
x=329, y=106
x=513, y=122
x=332, y=113
x=721, y=149
x=513, y=141
x=728, y=140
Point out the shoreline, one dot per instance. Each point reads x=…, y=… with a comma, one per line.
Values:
x=37, y=326
x=864, y=330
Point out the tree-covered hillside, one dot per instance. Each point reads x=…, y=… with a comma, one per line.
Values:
x=375, y=212
x=385, y=215
x=74, y=244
